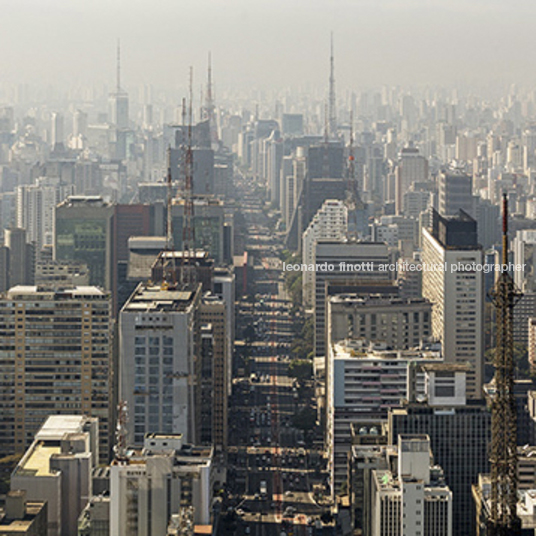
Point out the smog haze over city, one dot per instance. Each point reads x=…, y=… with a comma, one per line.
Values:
x=269, y=44
x=267, y=268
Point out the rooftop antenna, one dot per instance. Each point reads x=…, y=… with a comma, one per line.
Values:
x=332, y=97
x=352, y=187
x=325, y=162
x=188, y=235
x=118, y=74
x=209, y=104
x=183, y=113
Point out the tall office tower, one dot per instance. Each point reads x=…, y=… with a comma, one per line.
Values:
x=84, y=232
x=274, y=157
x=416, y=202
x=399, y=323
x=374, y=177
x=57, y=137
x=329, y=223
x=157, y=361
x=57, y=468
x=21, y=257
x=466, y=147
x=4, y=268
x=36, y=204
x=488, y=217
x=524, y=248
x=225, y=288
x=409, y=278
x=455, y=193
x=459, y=435
x=361, y=385
x=61, y=362
x=414, y=500
x=212, y=314
x=79, y=124
x=166, y=478
x=326, y=160
x=412, y=167
x=456, y=289
x=292, y=124
x=344, y=262
x=207, y=222
x=202, y=169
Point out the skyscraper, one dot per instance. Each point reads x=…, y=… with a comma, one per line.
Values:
x=157, y=361
x=412, y=167
x=459, y=435
x=55, y=359
x=455, y=286
x=329, y=223
x=21, y=257
x=84, y=232
x=455, y=193
x=415, y=500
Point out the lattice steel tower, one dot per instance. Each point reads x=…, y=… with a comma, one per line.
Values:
x=503, y=518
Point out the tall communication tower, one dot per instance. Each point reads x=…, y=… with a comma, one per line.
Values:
x=188, y=233
x=209, y=104
x=118, y=74
x=332, y=97
x=503, y=518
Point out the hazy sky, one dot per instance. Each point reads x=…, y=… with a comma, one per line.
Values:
x=269, y=43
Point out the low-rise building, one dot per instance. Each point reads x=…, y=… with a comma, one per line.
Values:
x=149, y=486
x=57, y=469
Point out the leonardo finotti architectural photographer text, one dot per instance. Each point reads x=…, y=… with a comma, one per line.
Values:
x=404, y=267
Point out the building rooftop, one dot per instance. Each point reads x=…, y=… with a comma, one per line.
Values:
x=87, y=200
x=37, y=463
x=56, y=426
x=359, y=299
x=358, y=349
x=14, y=526
x=43, y=291
x=156, y=298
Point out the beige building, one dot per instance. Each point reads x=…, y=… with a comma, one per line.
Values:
x=399, y=323
x=455, y=286
x=57, y=469
x=56, y=350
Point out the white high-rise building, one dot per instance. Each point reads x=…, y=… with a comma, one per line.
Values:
x=36, y=206
x=524, y=246
x=329, y=223
x=156, y=361
x=414, y=501
x=455, y=286
x=57, y=133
